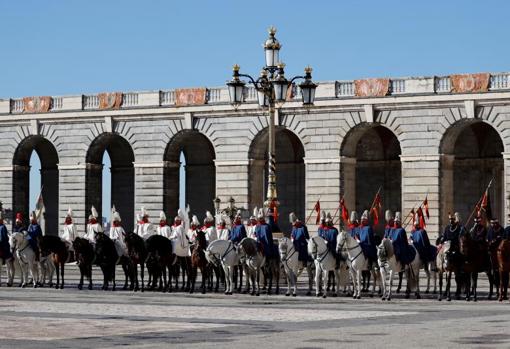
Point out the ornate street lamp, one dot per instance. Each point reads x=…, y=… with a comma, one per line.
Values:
x=272, y=87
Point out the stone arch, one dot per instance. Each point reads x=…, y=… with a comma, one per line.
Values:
x=122, y=176
x=290, y=173
x=371, y=159
x=200, y=173
x=471, y=155
x=49, y=179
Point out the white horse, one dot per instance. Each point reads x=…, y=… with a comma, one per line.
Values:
x=389, y=265
x=293, y=266
x=431, y=272
x=26, y=258
x=223, y=252
x=356, y=261
x=325, y=262
x=253, y=260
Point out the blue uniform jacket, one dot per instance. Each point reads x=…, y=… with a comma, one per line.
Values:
x=353, y=230
x=422, y=244
x=506, y=233
x=18, y=228
x=237, y=233
x=5, y=248
x=265, y=238
x=366, y=242
x=404, y=253
x=330, y=235
x=34, y=230
x=300, y=239
x=495, y=234
x=387, y=232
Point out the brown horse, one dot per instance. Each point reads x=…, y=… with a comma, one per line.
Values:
x=57, y=248
x=198, y=261
x=476, y=260
x=504, y=268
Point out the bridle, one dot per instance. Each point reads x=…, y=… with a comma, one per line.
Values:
x=320, y=257
x=351, y=259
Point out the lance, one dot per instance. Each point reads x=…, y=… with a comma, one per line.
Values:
x=313, y=209
x=406, y=221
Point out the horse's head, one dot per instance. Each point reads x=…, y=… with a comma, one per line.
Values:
x=283, y=246
x=464, y=241
x=341, y=241
x=16, y=240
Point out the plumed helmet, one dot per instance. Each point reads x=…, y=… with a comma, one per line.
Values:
x=364, y=215
x=354, y=216
x=388, y=215
x=238, y=214
x=19, y=216
x=69, y=213
x=208, y=217
x=260, y=214
x=162, y=216
x=194, y=221
x=457, y=217
x=94, y=213
x=223, y=220
x=398, y=217
x=292, y=217
x=143, y=212
x=32, y=216
x=116, y=217
x=329, y=219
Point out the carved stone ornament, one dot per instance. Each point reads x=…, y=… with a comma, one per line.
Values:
x=371, y=87
x=190, y=96
x=36, y=104
x=462, y=83
x=111, y=100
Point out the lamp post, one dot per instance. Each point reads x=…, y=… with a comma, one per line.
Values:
x=272, y=87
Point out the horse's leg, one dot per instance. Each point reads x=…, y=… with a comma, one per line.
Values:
x=358, y=277
x=325, y=279
x=440, y=295
x=388, y=291
x=57, y=265
x=126, y=273
x=448, y=285
x=82, y=272
x=318, y=275
x=427, y=273
x=469, y=276
x=475, y=285
x=400, y=275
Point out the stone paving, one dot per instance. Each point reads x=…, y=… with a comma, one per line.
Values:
x=69, y=318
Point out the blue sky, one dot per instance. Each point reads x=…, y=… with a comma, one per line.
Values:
x=72, y=47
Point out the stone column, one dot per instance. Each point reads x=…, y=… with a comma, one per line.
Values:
x=506, y=189
x=232, y=179
x=150, y=190
x=72, y=184
x=421, y=177
x=323, y=180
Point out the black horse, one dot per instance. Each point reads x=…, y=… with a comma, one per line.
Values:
x=137, y=254
x=84, y=254
x=57, y=248
x=106, y=258
x=160, y=254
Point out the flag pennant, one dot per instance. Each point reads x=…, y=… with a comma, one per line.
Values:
x=426, y=207
x=486, y=205
x=345, y=211
x=376, y=207
x=317, y=209
x=421, y=217
x=413, y=218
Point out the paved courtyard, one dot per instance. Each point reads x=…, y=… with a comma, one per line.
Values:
x=69, y=318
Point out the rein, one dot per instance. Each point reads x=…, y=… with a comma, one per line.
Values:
x=352, y=259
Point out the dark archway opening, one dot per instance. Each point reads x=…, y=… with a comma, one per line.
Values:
x=198, y=170
x=49, y=181
x=371, y=160
x=290, y=174
x=122, y=186
x=472, y=156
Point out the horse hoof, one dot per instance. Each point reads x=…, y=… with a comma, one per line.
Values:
x=468, y=299
x=383, y=298
x=287, y=294
x=317, y=295
x=335, y=295
x=90, y=287
x=324, y=295
x=257, y=294
x=80, y=287
x=407, y=296
x=427, y=292
x=418, y=296
x=449, y=299
x=475, y=300
x=294, y=295
x=439, y=299
x=358, y=297
x=125, y=288
x=203, y=291
x=388, y=299
x=308, y=293
x=57, y=287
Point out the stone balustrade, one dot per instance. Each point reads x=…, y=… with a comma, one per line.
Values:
x=219, y=95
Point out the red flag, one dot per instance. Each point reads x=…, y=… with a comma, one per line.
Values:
x=376, y=207
x=486, y=205
x=421, y=218
x=317, y=209
x=426, y=207
x=345, y=211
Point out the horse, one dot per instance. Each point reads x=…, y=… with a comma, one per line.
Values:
x=293, y=266
x=504, y=268
x=199, y=261
x=447, y=262
x=106, y=258
x=271, y=271
x=8, y=259
x=160, y=254
x=476, y=257
x=324, y=261
x=356, y=261
x=224, y=254
x=388, y=264
x=54, y=246
x=25, y=255
x=253, y=260
x=84, y=254
x=137, y=254
x=494, y=265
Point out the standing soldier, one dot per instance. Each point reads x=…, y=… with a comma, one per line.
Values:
x=300, y=237
x=93, y=226
x=421, y=242
x=252, y=224
x=117, y=234
x=366, y=240
x=19, y=227
x=209, y=228
x=353, y=227
x=163, y=229
x=389, y=224
x=34, y=232
x=145, y=228
x=478, y=232
x=222, y=230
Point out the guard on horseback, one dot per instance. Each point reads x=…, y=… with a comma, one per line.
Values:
x=300, y=237
x=452, y=232
x=238, y=230
x=222, y=230
x=163, y=229
x=264, y=236
x=330, y=234
x=366, y=238
x=353, y=227
x=194, y=229
x=19, y=227
x=496, y=232
x=69, y=233
x=421, y=242
x=321, y=230
x=146, y=229
x=93, y=226
x=390, y=224
x=34, y=232
x=5, y=247
x=250, y=232
x=117, y=234
x=209, y=228
x=179, y=238
x=478, y=232
x=404, y=253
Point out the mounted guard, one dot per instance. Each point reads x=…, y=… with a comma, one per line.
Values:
x=19, y=227
x=252, y=224
x=194, y=229
x=93, y=226
x=353, y=227
x=264, y=235
x=209, y=228
x=366, y=240
x=390, y=224
x=117, y=233
x=222, y=230
x=300, y=237
x=238, y=230
x=404, y=253
x=34, y=233
x=421, y=242
x=478, y=232
x=163, y=229
x=145, y=228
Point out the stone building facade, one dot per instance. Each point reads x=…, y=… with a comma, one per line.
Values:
x=443, y=138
